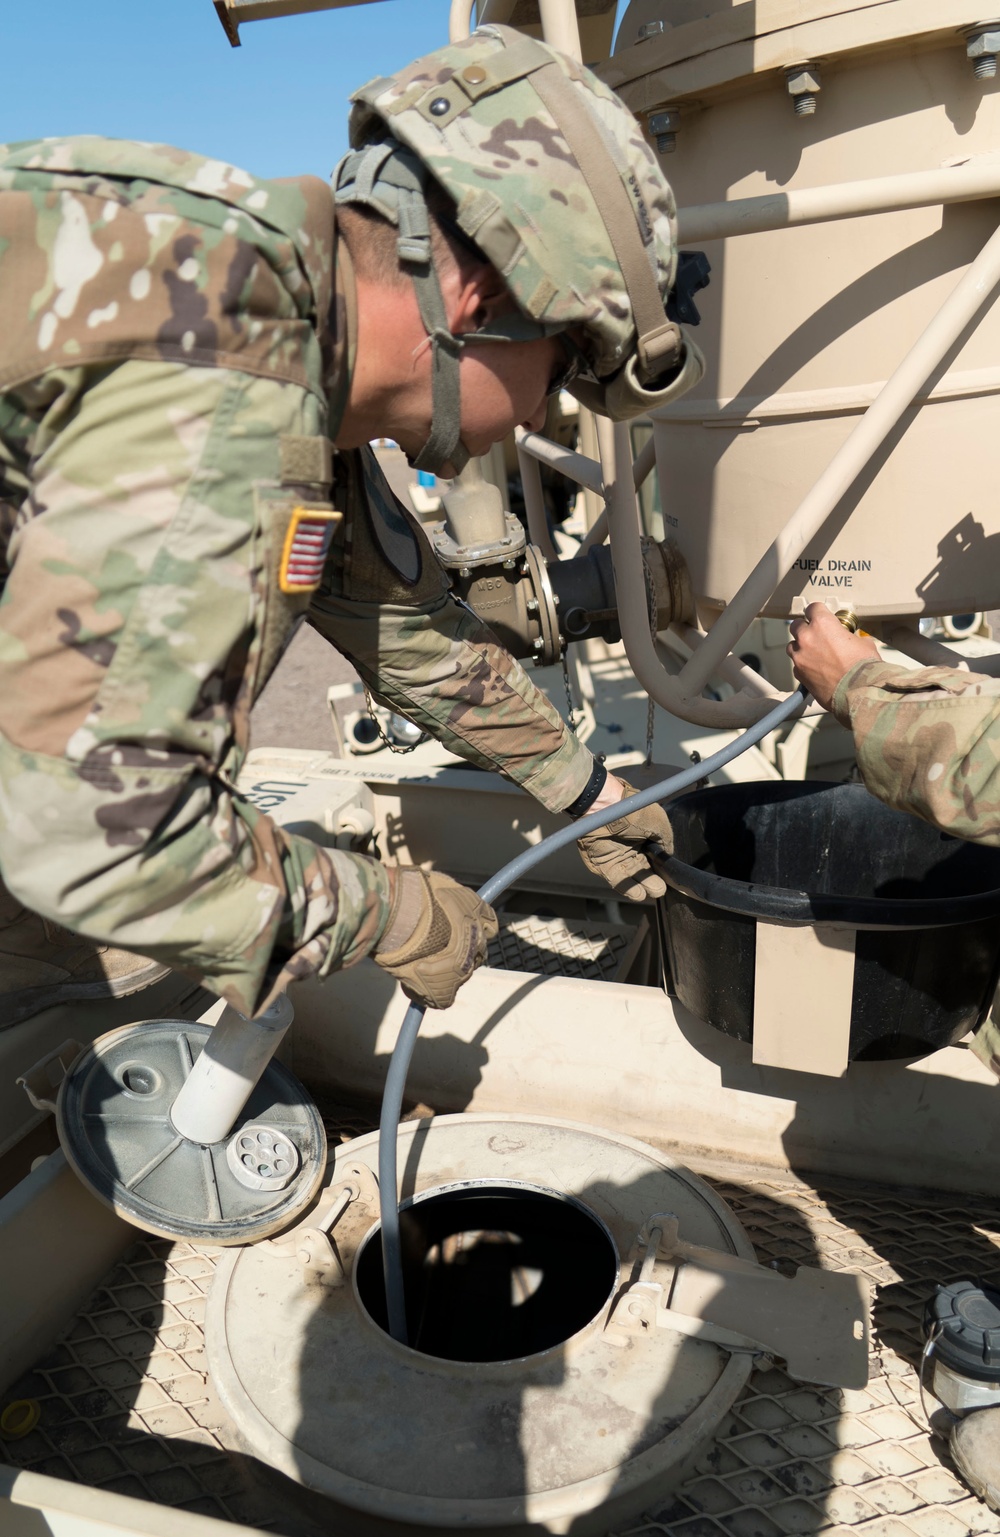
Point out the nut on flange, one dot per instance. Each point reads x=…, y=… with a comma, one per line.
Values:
x=664, y=126
x=803, y=86
x=982, y=44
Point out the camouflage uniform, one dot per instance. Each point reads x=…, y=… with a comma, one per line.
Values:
x=928, y=742
x=176, y=358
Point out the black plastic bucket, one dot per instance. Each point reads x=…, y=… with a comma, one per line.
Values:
x=926, y=907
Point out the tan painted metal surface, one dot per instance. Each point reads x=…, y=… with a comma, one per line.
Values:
x=37, y=1505
x=633, y=1060
x=57, y=1241
x=801, y=323
x=132, y=1434
x=715, y=45
x=574, y=1438
x=803, y=987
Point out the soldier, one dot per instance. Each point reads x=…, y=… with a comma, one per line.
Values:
x=927, y=742
x=193, y=364
x=926, y=738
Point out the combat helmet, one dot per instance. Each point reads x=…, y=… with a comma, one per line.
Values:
x=554, y=184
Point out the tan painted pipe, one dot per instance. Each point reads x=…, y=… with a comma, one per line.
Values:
x=961, y=307
x=534, y=500
x=844, y=200
x=932, y=653
x=633, y=603
x=644, y=462
x=560, y=28
x=596, y=534
x=585, y=472
x=460, y=20
x=577, y=467
x=640, y=471
x=731, y=670
x=586, y=442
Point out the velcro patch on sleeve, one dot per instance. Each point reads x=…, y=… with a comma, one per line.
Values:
x=307, y=542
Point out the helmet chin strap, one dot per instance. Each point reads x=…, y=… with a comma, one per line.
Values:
x=389, y=179
x=444, y=445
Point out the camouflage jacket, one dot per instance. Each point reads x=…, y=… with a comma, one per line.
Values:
x=928, y=742
x=174, y=360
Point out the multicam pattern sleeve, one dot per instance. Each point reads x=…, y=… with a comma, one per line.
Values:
x=110, y=249
x=138, y=622
x=163, y=319
x=424, y=654
x=928, y=742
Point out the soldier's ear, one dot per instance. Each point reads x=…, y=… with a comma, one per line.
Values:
x=478, y=296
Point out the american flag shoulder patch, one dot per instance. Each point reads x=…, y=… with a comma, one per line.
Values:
x=310, y=532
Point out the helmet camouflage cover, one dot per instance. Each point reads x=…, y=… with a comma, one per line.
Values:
x=554, y=184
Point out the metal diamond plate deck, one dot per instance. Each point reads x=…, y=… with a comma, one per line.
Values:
x=126, y=1403
x=560, y=947
x=795, y=1459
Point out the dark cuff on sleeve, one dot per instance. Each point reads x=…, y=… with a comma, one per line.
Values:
x=591, y=790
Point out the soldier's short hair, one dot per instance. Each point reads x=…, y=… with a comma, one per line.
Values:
x=371, y=241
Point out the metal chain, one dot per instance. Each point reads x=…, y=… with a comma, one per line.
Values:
x=650, y=705
x=386, y=742
x=571, y=719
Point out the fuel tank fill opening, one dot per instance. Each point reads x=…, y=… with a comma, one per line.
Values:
x=493, y=1272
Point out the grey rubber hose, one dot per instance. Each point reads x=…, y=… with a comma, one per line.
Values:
x=399, y=1065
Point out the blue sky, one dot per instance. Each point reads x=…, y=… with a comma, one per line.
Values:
x=163, y=70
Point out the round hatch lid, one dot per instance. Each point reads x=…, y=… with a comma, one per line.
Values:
x=113, y=1117
x=522, y=1403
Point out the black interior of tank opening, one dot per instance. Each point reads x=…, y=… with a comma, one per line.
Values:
x=494, y=1273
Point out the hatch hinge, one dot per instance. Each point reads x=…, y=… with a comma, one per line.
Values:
x=815, y=1321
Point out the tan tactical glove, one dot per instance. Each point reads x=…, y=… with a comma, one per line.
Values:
x=436, y=936
x=616, y=852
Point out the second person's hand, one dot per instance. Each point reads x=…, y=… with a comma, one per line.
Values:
x=822, y=650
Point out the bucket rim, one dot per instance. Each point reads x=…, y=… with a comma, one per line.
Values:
x=789, y=905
